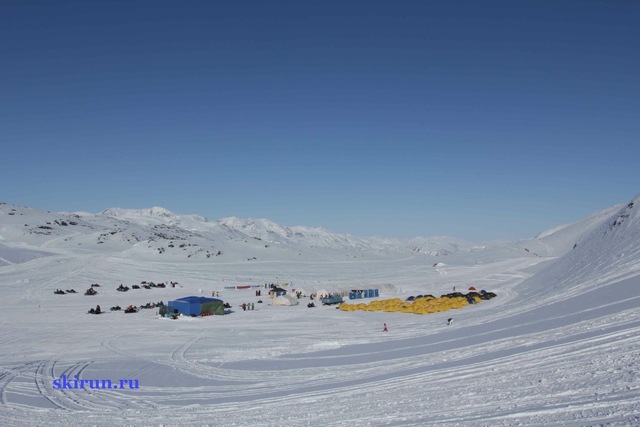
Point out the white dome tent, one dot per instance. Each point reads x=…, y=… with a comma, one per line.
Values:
x=322, y=293
x=284, y=300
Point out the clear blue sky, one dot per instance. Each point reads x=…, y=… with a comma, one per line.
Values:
x=474, y=119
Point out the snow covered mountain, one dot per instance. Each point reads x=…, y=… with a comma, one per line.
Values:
x=441, y=246
x=610, y=252
x=561, y=238
x=159, y=233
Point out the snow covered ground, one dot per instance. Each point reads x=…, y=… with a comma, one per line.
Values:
x=558, y=346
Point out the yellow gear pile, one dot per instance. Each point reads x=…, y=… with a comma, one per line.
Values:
x=423, y=305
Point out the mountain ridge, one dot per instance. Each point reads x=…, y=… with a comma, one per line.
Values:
x=154, y=231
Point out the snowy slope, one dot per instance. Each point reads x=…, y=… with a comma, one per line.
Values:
x=610, y=253
x=560, y=238
x=17, y=255
x=558, y=346
x=441, y=246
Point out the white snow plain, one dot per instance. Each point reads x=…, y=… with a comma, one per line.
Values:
x=559, y=345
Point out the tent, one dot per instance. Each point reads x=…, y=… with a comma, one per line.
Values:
x=195, y=306
x=300, y=291
x=276, y=292
x=472, y=288
x=284, y=300
x=322, y=293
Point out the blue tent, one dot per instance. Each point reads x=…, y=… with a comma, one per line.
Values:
x=195, y=306
x=363, y=293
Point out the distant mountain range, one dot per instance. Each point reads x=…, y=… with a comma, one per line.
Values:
x=156, y=233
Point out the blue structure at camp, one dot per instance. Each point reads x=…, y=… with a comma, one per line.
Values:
x=363, y=293
x=335, y=299
x=276, y=292
x=195, y=306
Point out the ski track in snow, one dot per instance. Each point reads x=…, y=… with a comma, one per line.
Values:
x=554, y=354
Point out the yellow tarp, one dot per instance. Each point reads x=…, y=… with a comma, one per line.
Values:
x=418, y=306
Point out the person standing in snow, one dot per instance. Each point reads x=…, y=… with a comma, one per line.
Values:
x=385, y=328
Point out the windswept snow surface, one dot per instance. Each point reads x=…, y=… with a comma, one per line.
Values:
x=558, y=346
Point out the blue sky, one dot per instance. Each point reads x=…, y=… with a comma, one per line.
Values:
x=492, y=119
